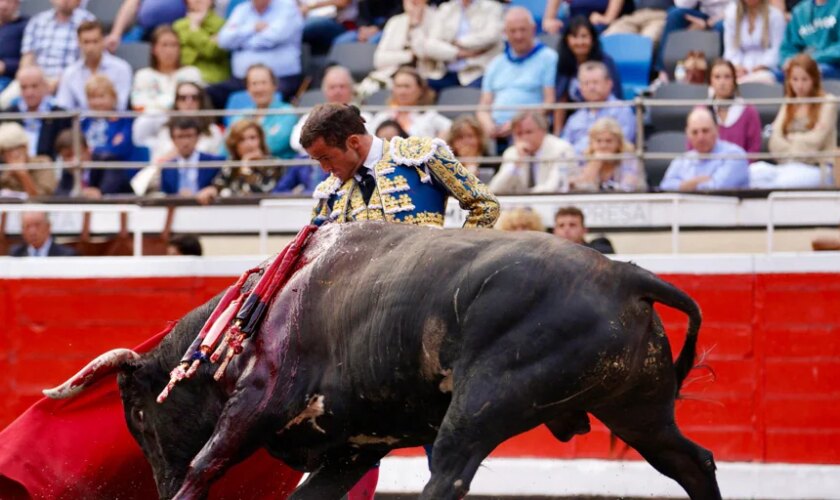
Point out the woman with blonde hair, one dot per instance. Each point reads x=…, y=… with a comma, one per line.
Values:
x=467, y=139
x=752, y=34
x=600, y=173
x=800, y=129
x=520, y=219
x=411, y=89
x=16, y=176
x=246, y=144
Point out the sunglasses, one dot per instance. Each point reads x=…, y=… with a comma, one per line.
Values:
x=187, y=97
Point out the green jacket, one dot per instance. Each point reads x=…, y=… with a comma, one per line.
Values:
x=815, y=30
x=199, y=47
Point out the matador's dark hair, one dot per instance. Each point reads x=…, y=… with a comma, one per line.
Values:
x=333, y=123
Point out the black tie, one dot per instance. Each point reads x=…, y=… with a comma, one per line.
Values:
x=366, y=184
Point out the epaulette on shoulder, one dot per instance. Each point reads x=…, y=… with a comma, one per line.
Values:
x=415, y=151
x=327, y=188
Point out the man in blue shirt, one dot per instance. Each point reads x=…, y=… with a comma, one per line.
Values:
x=689, y=173
x=261, y=31
x=522, y=75
x=95, y=60
x=596, y=87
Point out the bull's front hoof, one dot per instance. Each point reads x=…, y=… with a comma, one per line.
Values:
x=569, y=426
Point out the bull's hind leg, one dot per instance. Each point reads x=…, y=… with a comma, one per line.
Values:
x=653, y=432
x=478, y=419
x=337, y=475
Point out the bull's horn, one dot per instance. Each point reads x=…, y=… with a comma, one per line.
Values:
x=103, y=365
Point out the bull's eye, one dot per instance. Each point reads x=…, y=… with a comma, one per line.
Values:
x=137, y=415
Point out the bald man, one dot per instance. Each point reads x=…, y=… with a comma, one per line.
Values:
x=522, y=75
x=37, y=237
x=337, y=87
x=35, y=97
x=690, y=173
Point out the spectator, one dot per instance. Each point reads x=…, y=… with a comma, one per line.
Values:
x=596, y=87
x=468, y=140
x=300, y=179
x=537, y=162
x=607, y=174
x=826, y=243
x=197, y=34
x=403, y=43
x=800, y=129
x=692, y=15
x=411, y=89
x=570, y=225
x=149, y=14
x=521, y=76
x=50, y=39
x=37, y=238
x=752, y=36
x=325, y=21
x=598, y=12
x=246, y=144
x=70, y=183
x=389, y=129
x=337, y=86
x=150, y=129
x=647, y=19
x=373, y=15
x=579, y=44
x=184, y=244
x=520, y=219
x=95, y=60
x=187, y=179
x=813, y=29
x=261, y=31
x=154, y=87
x=35, y=98
x=689, y=173
x=262, y=88
x=108, y=138
x=12, y=26
x=465, y=36
x=737, y=123
x=37, y=180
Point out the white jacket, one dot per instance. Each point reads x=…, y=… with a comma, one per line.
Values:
x=401, y=45
x=485, y=18
x=551, y=175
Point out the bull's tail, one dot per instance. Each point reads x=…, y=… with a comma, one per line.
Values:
x=650, y=286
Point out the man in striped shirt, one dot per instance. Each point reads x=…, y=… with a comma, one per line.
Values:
x=50, y=39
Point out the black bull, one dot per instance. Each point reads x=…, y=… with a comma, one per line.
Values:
x=391, y=336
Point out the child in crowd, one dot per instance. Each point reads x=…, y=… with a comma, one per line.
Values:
x=108, y=139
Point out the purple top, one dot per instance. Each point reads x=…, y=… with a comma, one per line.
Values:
x=742, y=127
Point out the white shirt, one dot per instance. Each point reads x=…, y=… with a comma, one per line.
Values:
x=188, y=173
x=374, y=155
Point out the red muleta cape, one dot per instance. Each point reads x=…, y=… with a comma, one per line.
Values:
x=80, y=448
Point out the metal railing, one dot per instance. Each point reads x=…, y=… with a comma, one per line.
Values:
x=776, y=196
x=639, y=105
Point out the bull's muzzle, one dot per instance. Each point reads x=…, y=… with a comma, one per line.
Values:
x=103, y=365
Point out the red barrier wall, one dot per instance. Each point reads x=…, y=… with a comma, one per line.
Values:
x=773, y=341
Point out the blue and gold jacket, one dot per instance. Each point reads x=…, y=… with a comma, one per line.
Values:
x=414, y=178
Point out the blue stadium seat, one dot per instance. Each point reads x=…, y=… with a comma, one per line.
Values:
x=633, y=56
x=536, y=7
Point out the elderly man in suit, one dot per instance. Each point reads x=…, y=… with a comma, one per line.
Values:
x=552, y=158
x=37, y=237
